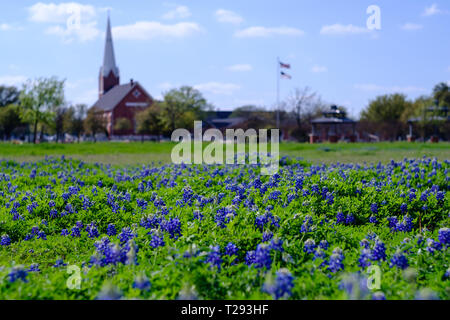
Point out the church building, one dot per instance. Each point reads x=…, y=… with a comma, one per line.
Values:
x=118, y=101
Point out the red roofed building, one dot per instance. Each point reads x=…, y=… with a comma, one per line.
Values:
x=119, y=101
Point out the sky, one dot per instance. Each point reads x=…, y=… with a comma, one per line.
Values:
x=228, y=49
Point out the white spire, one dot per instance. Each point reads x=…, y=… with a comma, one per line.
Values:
x=109, y=61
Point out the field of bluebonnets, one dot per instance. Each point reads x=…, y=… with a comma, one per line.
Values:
x=72, y=230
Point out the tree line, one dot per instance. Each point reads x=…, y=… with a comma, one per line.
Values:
x=40, y=108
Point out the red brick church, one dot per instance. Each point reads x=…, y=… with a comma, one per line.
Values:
x=119, y=101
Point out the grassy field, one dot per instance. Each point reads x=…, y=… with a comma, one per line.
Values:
x=132, y=153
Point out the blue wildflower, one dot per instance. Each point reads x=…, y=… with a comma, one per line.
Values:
x=282, y=286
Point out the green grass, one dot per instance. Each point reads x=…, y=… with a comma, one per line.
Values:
x=121, y=153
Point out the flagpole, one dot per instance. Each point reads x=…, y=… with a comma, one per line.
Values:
x=278, y=92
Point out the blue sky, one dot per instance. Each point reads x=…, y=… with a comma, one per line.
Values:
x=228, y=49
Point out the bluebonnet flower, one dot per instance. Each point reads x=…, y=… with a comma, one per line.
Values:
x=340, y=218
x=336, y=260
x=125, y=235
x=320, y=254
x=378, y=251
x=373, y=219
x=306, y=226
x=403, y=208
x=440, y=195
x=447, y=274
x=42, y=235
x=355, y=285
x=374, y=208
x=92, y=231
x=111, y=230
x=444, y=236
x=276, y=244
x=213, y=257
x=378, y=296
x=59, y=263
x=64, y=232
x=250, y=257
x=198, y=215
x=424, y=196
x=399, y=260
x=262, y=256
x=53, y=213
x=34, y=268
x=274, y=195
x=141, y=282
x=432, y=246
x=267, y=236
x=350, y=219
x=223, y=216
x=310, y=246
x=324, y=244
x=364, y=243
x=157, y=240
x=364, y=258
x=6, y=240
x=282, y=286
x=173, y=227
x=17, y=273
x=231, y=249
x=75, y=232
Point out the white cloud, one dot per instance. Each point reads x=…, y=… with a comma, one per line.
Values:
x=5, y=27
x=60, y=13
x=240, y=67
x=411, y=26
x=340, y=29
x=69, y=20
x=227, y=16
x=146, y=30
x=217, y=88
x=319, y=69
x=13, y=80
x=166, y=86
x=432, y=10
x=267, y=32
x=387, y=89
x=180, y=12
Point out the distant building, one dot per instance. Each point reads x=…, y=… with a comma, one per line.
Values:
x=119, y=101
x=333, y=126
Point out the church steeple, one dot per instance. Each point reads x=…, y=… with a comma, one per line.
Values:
x=109, y=73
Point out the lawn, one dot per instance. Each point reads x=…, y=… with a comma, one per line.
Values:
x=134, y=153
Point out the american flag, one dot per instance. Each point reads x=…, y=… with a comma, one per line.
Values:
x=285, y=75
x=285, y=65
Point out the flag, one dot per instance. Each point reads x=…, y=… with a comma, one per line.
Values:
x=285, y=75
x=285, y=65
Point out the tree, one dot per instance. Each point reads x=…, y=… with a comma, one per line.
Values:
x=149, y=121
x=122, y=124
x=73, y=120
x=441, y=93
x=181, y=107
x=9, y=120
x=8, y=95
x=385, y=115
x=58, y=122
x=39, y=99
x=95, y=122
x=304, y=105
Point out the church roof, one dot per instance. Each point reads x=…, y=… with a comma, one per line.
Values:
x=112, y=98
x=109, y=60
